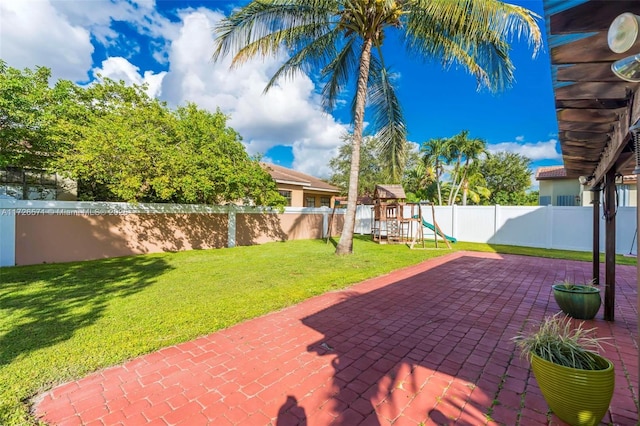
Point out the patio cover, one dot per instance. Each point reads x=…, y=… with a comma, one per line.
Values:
x=594, y=109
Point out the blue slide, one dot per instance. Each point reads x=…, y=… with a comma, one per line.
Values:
x=433, y=228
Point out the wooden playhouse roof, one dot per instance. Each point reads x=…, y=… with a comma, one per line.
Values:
x=387, y=192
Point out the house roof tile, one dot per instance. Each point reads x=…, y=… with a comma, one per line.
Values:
x=551, y=172
x=284, y=175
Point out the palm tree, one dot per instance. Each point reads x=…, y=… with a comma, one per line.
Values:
x=465, y=152
x=474, y=185
x=344, y=38
x=434, y=158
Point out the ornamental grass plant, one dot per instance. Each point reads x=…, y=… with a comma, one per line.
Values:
x=557, y=340
x=570, y=285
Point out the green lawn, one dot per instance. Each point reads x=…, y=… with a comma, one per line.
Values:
x=60, y=322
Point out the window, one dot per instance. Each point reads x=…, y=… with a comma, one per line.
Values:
x=624, y=195
x=287, y=195
x=28, y=184
x=545, y=200
x=310, y=201
x=566, y=200
x=325, y=201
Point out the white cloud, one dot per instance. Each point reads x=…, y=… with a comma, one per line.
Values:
x=98, y=17
x=289, y=114
x=33, y=32
x=59, y=34
x=543, y=150
x=121, y=69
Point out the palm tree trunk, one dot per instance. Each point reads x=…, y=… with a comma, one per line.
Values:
x=463, y=177
x=345, y=246
x=465, y=191
x=438, y=174
x=454, y=182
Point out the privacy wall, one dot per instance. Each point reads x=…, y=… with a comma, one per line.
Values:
x=554, y=227
x=33, y=232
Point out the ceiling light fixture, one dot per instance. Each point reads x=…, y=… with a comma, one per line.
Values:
x=623, y=33
x=628, y=68
x=584, y=180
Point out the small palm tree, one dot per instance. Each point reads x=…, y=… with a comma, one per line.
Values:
x=465, y=151
x=435, y=157
x=344, y=39
x=474, y=186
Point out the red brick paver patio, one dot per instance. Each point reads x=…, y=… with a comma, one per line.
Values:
x=430, y=344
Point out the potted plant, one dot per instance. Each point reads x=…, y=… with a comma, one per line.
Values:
x=575, y=380
x=580, y=301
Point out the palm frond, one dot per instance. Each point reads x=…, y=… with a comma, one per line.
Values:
x=312, y=55
x=388, y=119
x=262, y=27
x=471, y=33
x=339, y=71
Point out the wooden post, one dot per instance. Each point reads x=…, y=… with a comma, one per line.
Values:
x=638, y=263
x=595, y=200
x=610, y=208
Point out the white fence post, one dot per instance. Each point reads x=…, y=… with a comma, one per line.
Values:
x=454, y=220
x=325, y=224
x=549, y=227
x=7, y=234
x=496, y=220
x=231, y=226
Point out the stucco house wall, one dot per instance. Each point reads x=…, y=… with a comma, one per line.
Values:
x=302, y=189
x=558, y=190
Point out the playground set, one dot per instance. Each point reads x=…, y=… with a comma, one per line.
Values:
x=397, y=222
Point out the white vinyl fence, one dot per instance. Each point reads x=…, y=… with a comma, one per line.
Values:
x=568, y=228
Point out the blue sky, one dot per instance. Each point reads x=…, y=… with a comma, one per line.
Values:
x=168, y=45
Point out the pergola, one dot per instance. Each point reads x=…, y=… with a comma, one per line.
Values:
x=595, y=110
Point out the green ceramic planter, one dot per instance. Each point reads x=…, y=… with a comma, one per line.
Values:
x=577, y=301
x=578, y=397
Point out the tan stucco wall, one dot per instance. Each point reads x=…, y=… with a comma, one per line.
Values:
x=297, y=199
x=317, y=197
x=59, y=238
x=545, y=188
x=65, y=238
x=299, y=195
x=258, y=229
x=556, y=187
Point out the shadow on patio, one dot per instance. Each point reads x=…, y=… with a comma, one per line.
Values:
x=436, y=347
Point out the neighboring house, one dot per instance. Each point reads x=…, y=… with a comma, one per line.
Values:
x=25, y=184
x=302, y=190
x=557, y=189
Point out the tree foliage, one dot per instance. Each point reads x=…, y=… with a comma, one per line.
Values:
x=455, y=158
x=343, y=39
x=459, y=170
x=29, y=108
x=374, y=169
x=507, y=177
x=122, y=145
x=130, y=147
